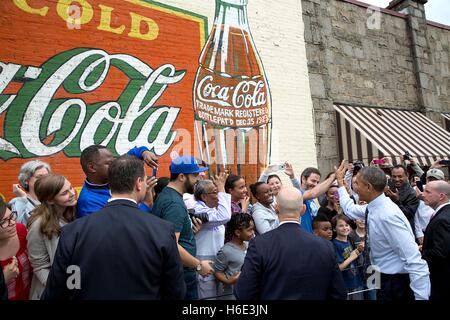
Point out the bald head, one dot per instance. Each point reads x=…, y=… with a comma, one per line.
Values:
x=290, y=202
x=436, y=193
x=441, y=186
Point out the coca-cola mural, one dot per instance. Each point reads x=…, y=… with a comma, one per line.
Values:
x=125, y=74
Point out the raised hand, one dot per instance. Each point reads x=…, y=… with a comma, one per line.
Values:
x=245, y=203
x=289, y=170
x=18, y=191
x=271, y=169
x=340, y=172
x=149, y=195
x=219, y=181
x=150, y=159
x=436, y=164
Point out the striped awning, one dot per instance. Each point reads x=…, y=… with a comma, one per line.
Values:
x=446, y=120
x=367, y=133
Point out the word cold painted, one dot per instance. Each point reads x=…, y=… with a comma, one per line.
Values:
x=41, y=121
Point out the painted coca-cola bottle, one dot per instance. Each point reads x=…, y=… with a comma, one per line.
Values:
x=231, y=97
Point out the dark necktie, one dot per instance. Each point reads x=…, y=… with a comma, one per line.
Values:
x=366, y=254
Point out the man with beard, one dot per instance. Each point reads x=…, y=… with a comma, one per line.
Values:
x=184, y=173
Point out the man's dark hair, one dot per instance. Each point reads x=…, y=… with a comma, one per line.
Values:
x=90, y=154
x=231, y=180
x=309, y=171
x=174, y=176
x=375, y=176
x=399, y=166
x=238, y=221
x=123, y=172
x=162, y=183
x=319, y=218
x=254, y=187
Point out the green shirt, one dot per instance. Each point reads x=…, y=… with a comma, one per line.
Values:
x=170, y=206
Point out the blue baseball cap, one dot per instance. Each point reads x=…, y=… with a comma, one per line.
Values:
x=186, y=165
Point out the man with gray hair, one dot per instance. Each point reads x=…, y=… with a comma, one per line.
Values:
x=213, y=202
x=390, y=245
x=288, y=262
x=29, y=173
x=436, y=243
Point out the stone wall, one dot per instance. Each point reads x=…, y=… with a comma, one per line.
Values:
x=439, y=40
x=363, y=56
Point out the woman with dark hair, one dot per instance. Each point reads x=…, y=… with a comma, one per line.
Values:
x=240, y=201
x=58, y=201
x=274, y=181
x=13, y=254
x=263, y=212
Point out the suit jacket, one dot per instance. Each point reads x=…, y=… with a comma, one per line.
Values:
x=290, y=263
x=408, y=203
x=118, y=253
x=41, y=251
x=436, y=251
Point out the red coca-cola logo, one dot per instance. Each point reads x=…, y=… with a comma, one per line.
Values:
x=234, y=102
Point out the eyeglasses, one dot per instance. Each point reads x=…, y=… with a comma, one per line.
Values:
x=216, y=192
x=5, y=223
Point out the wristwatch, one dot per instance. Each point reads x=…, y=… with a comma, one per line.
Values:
x=198, y=268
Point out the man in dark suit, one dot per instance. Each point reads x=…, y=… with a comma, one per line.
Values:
x=436, y=241
x=288, y=262
x=120, y=252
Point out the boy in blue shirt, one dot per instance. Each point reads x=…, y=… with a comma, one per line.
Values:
x=347, y=256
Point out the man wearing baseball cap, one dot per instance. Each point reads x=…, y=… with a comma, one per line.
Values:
x=424, y=212
x=184, y=173
x=435, y=174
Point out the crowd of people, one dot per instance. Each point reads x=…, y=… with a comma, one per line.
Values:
x=362, y=233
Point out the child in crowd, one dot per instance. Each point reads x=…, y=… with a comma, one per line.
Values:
x=230, y=257
x=322, y=227
x=347, y=255
x=357, y=237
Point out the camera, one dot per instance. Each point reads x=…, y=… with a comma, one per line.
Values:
x=202, y=216
x=378, y=161
x=391, y=185
x=406, y=156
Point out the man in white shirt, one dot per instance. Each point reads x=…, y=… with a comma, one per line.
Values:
x=391, y=245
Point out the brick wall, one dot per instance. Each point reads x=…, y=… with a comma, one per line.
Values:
x=40, y=37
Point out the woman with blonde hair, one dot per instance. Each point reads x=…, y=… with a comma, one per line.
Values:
x=58, y=201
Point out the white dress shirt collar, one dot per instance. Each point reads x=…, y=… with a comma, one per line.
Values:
x=376, y=202
x=288, y=221
x=129, y=199
x=440, y=207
